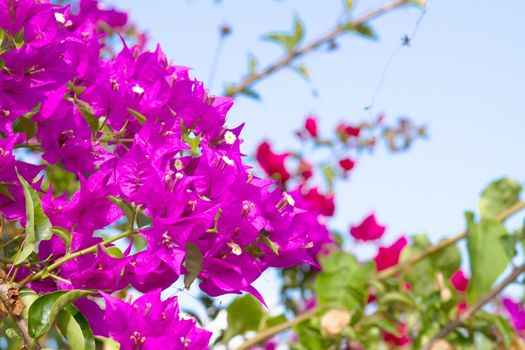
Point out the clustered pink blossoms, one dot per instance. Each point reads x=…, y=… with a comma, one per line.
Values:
x=136, y=129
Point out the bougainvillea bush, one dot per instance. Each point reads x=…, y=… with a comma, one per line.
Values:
x=119, y=177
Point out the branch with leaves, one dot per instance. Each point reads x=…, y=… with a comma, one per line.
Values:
x=291, y=43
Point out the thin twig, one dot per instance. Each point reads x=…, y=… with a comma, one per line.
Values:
x=291, y=56
x=463, y=317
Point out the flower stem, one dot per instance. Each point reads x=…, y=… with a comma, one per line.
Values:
x=76, y=254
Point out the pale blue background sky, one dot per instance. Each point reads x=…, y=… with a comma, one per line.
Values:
x=463, y=76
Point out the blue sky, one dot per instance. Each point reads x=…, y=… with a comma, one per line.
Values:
x=463, y=76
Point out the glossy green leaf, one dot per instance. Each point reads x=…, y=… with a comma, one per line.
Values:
x=244, y=314
x=192, y=263
x=38, y=226
x=43, y=311
x=488, y=257
x=499, y=196
x=75, y=328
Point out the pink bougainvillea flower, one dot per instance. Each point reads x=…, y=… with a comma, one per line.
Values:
x=516, y=313
x=368, y=230
x=459, y=281
x=346, y=164
x=272, y=163
x=130, y=324
x=389, y=256
x=310, y=125
x=322, y=203
x=346, y=131
x=401, y=339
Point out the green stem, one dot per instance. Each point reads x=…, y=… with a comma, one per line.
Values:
x=63, y=260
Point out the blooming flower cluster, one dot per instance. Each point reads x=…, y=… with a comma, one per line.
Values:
x=144, y=140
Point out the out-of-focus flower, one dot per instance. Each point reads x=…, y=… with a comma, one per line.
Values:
x=516, y=313
x=389, y=256
x=459, y=281
x=368, y=230
x=334, y=321
x=272, y=163
x=401, y=339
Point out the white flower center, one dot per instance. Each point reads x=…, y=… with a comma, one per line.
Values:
x=137, y=89
x=60, y=17
x=236, y=249
x=230, y=137
x=288, y=199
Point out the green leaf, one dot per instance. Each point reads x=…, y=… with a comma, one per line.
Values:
x=499, y=323
x=289, y=41
x=192, y=263
x=394, y=298
x=43, y=312
x=87, y=112
x=18, y=40
x=488, y=257
x=126, y=207
x=422, y=275
x=252, y=64
x=350, y=291
x=361, y=29
x=329, y=175
x=244, y=314
x=139, y=116
x=26, y=126
x=4, y=189
x=303, y=72
x=28, y=297
x=75, y=328
x=38, y=226
x=420, y=3
x=499, y=196
x=63, y=234
x=348, y=4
